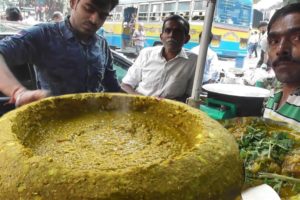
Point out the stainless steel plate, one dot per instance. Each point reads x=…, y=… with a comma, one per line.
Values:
x=237, y=90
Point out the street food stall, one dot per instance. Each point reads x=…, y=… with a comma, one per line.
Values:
x=117, y=146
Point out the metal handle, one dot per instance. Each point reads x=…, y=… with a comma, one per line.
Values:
x=197, y=85
x=2, y=99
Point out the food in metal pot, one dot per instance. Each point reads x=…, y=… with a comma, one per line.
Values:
x=114, y=146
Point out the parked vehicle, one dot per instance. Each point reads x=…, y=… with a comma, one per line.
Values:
x=231, y=24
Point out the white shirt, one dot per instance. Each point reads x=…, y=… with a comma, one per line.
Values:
x=211, y=71
x=254, y=38
x=264, y=42
x=139, y=38
x=152, y=75
x=289, y=112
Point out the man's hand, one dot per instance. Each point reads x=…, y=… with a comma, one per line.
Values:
x=128, y=89
x=24, y=96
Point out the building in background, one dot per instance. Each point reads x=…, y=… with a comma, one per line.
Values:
x=268, y=7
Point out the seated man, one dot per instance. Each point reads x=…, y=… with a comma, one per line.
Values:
x=164, y=71
x=284, y=57
x=211, y=71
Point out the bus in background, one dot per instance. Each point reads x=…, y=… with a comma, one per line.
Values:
x=232, y=22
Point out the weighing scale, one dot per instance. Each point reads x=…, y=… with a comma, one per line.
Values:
x=226, y=101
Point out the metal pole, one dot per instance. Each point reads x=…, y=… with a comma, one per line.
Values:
x=194, y=100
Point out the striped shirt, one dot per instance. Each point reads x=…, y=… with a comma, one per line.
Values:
x=289, y=112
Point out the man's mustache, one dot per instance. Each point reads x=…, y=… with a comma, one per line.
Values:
x=172, y=41
x=91, y=24
x=285, y=59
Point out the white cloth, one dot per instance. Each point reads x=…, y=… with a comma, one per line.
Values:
x=139, y=38
x=254, y=38
x=260, y=192
x=264, y=42
x=152, y=75
x=211, y=71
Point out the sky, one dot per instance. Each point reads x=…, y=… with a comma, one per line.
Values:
x=265, y=4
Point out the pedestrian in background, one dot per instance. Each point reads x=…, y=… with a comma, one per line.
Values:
x=262, y=27
x=252, y=44
x=139, y=38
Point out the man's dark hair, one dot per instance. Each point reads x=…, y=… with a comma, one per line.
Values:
x=101, y=3
x=179, y=19
x=262, y=24
x=13, y=14
x=291, y=8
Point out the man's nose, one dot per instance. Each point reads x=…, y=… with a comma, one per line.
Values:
x=284, y=47
x=95, y=18
x=172, y=33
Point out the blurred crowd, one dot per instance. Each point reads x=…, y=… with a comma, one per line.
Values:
x=37, y=14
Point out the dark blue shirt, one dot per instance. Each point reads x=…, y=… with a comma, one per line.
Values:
x=63, y=63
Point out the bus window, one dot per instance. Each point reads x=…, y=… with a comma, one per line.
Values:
x=109, y=18
x=117, y=16
x=198, y=16
x=200, y=5
x=232, y=20
x=155, y=12
x=199, y=10
x=234, y=13
x=143, y=12
x=184, y=9
x=169, y=9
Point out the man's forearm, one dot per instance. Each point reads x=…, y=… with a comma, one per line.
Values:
x=8, y=83
x=128, y=89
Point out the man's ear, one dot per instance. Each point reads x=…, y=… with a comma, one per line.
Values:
x=160, y=36
x=187, y=39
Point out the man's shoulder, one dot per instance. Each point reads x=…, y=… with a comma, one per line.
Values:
x=211, y=53
x=151, y=50
x=44, y=26
x=190, y=54
x=195, y=49
x=38, y=29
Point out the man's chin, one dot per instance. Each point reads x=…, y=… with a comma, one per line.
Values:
x=87, y=34
x=172, y=48
x=287, y=79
